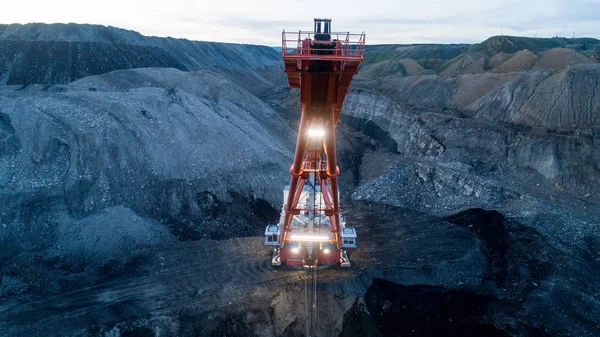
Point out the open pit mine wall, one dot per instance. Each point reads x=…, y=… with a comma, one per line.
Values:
x=540, y=124
x=60, y=53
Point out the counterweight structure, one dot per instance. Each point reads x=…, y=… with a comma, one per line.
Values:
x=311, y=230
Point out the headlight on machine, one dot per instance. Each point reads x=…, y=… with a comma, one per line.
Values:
x=326, y=251
x=295, y=250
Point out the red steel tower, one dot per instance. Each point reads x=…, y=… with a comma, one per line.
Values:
x=311, y=230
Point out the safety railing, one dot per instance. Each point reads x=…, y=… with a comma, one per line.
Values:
x=342, y=45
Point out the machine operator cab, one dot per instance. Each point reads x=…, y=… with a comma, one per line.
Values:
x=322, y=44
x=311, y=241
x=325, y=33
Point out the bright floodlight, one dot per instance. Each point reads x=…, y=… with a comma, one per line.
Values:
x=326, y=250
x=316, y=132
x=295, y=250
x=302, y=237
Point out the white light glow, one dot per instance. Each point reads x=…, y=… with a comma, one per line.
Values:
x=316, y=132
x=302, y=237
x=326, y=250
x=295, y=250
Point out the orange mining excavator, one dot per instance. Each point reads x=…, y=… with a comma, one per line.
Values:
x=311, y=230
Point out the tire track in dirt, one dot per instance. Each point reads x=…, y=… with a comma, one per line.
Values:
x=190, y=274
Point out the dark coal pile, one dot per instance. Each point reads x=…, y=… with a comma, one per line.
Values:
x=397, y=310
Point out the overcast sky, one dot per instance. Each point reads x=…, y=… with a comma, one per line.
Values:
x=261, y=22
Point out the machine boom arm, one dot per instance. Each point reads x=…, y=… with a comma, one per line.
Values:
x=322, y=66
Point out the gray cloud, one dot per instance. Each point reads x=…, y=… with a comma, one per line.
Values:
x=384, y=21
